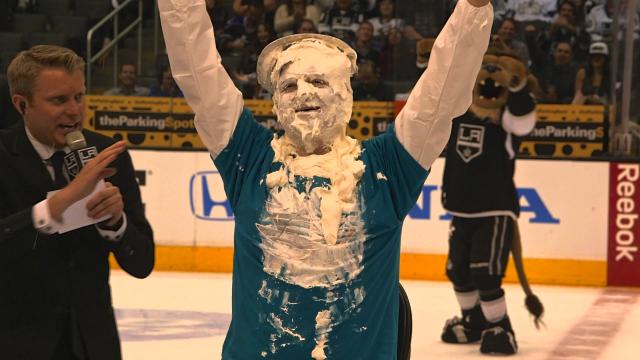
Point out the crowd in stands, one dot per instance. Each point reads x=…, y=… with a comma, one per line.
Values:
x=566, y=44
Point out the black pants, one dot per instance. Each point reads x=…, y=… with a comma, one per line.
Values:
x=404, y=327
x=478, y=247
x=70, y=345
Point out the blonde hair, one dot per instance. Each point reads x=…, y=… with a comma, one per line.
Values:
x=27, y=65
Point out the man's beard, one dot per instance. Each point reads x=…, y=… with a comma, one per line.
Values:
x=314, y=131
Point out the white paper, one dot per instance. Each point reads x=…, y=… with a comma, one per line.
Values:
x=76, y=215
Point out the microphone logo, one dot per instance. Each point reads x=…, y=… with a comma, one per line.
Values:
x=76, y=160
x=80, y=153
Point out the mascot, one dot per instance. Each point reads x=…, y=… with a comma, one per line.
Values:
x=479, y=191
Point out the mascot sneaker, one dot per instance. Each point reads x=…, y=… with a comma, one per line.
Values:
x=499, y=339
x=464, y=330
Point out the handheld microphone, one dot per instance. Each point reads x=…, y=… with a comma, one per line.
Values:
x=80, y=153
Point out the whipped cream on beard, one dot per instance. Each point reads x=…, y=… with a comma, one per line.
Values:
x=312, y=122
x=340, y=165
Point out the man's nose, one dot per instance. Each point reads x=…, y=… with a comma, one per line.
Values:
x=74, y=107
x=305, y=87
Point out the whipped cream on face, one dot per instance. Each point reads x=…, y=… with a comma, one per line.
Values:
x=313, y=97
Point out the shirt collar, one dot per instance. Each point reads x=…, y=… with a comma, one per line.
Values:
x=44, y=151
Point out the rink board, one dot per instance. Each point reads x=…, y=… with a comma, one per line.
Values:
x=563, y=224
x=561, y=131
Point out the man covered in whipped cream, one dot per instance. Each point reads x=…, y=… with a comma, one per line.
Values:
x=318, y=214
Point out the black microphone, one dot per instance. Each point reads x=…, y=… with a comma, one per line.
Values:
x=80, y=153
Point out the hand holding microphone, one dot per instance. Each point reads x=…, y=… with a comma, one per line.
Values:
x=90, y=171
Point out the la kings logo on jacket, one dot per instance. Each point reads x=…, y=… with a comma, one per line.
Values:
x=469, y=142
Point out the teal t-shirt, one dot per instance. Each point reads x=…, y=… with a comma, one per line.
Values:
x=333, y=301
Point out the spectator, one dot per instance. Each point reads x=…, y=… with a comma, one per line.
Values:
x=323, y=5
x=307, y=26
x=563, y=28
x=532, y=11
x=241, y=29
x=593, y=81
x=128, y=78
x=559, y=78
x=364, y=45
x=268, y=9
x=499, y=9
x=580, y=12
x=599, y=21
x=218, y=14
x=385, y=20
x=264, y=36
x=569, y=26
x=166, y=86
x=244, y=74
x=370, y=86
x=24, y=6
x=363, y=6
x=245, y=79
x=424, y=18
x=289, y=16
x=398, y=61
x=507, y=33
x=341, y=21
x=366, y=7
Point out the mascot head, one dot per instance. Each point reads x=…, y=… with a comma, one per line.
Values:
x=501, y=70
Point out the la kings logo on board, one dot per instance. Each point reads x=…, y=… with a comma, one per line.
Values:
x=469, y=142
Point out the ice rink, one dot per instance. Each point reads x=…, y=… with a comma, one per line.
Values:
x=185, y=316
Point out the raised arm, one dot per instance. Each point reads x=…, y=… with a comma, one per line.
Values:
x=197, y=68
x=444, y=90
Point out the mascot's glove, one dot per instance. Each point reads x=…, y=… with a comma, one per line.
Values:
x=423, y=52
x=520, y=101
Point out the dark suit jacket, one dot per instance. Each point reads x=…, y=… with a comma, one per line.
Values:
x=44, y=277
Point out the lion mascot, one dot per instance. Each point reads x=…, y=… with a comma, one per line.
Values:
x=479, y=191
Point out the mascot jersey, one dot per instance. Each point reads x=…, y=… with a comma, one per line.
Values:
x=303, y=292
x=478, y=173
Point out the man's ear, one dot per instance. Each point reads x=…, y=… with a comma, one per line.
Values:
x=20, y=103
